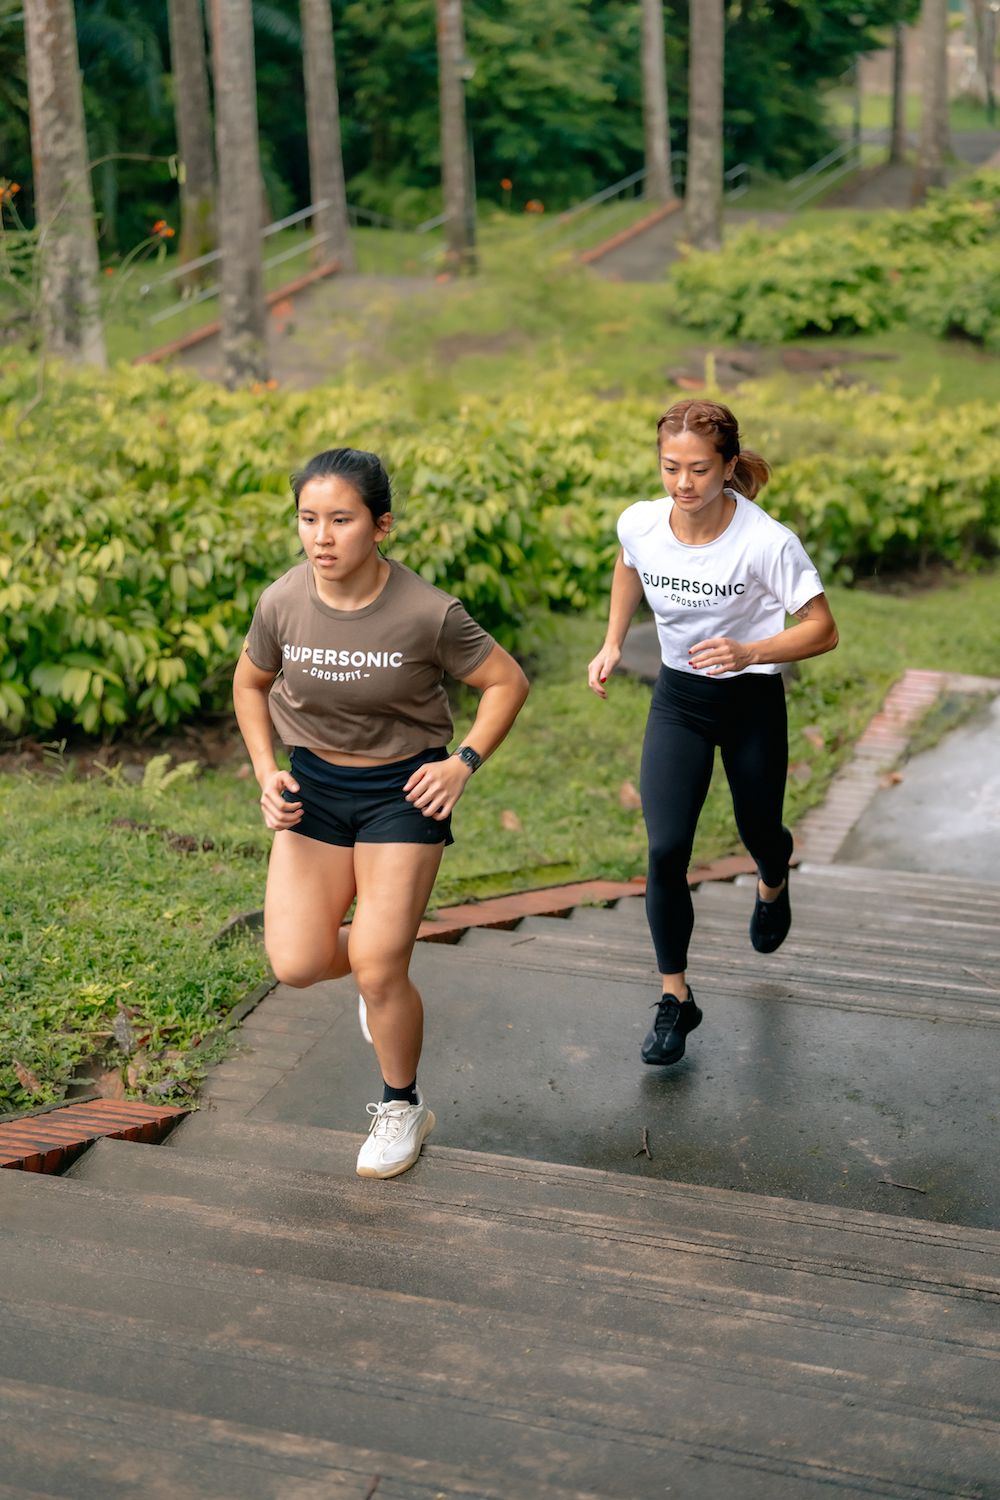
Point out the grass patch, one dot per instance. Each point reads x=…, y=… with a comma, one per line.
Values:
x=876, y=111
x=107, y=926
x=563, y=328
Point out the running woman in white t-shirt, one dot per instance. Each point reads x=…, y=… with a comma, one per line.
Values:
x=720, y=576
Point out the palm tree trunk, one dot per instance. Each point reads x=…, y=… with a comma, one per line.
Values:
x=933, y=144
x=460, y=230
x=64, y=204
x=897, y=134
x=326, y=161
x=244, y=341
x=193, y=116
x=659, y=182
x=703, y=196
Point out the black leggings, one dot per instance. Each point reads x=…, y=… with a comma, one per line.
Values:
x=745, y=716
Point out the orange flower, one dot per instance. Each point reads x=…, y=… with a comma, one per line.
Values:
x=506, y=184
x=109, y=270
x=159, y=226
x=534, y=206
x=169, y=233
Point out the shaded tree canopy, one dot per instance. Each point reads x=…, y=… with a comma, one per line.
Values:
x=554, y=102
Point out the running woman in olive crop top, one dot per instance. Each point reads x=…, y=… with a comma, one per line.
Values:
x=345, y=658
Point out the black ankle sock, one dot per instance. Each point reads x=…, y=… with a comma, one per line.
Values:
x=407, y=1095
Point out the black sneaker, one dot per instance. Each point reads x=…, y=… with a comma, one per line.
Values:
x=671, y=1024
x=770, y=921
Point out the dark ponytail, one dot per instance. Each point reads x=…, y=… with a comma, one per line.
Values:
x=712, y=420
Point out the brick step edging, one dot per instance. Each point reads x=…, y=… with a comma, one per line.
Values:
x=50, y=1141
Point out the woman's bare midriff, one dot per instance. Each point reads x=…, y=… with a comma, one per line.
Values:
x=344, y=758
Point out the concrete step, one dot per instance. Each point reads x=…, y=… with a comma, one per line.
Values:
x=893, y=884
x=334, y=1318
x=89, y=1447
x=832, y=899
x=814, y=1078
x=890, y=980
x=95, y=1448
x=606, y=1431
x=17, y=1491
x=918, y=946
x=503, y=1334
x=737, y=1242
x=831, y=905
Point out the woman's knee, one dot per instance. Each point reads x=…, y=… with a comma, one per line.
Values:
x=669, y=859
x=296, y=969
x=377, y=979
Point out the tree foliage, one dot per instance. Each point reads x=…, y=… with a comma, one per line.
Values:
x=554, y=102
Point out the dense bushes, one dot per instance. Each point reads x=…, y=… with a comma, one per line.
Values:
x=934, y=268
x=142, y=513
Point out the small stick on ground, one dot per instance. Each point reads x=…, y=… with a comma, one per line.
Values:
x=370, y=1491
x=978, y=974
x=909, y=1186
x=644, y=1148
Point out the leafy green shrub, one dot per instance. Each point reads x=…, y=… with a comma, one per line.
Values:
x=933, y=267
x=142, y=513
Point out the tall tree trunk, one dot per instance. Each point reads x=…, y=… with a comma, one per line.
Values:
x=193, y=116
x=983, y=21
x=933, y=144
x=64, y=204
x=244, y=319
x=326, y=161
x=456, y=177
x=703, y=196
x=659, y=182
x=897, y=133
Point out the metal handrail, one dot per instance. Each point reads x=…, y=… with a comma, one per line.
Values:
x=211, y=256
x=354, y=214
x=824, y=173
x=818, y=166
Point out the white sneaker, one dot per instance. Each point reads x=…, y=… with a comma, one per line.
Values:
x=363, y=1019
x=395, y=1136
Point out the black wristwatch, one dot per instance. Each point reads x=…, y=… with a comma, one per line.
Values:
x=472, y=758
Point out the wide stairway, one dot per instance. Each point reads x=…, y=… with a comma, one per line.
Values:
x=722, y=1316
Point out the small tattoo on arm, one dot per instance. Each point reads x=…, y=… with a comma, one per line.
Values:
x=805, y=611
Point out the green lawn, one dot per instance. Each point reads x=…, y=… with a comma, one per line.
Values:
x=876, y=111
x=107, y=920
x=559, y=328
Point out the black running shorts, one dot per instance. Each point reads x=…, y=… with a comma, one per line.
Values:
x=348, y=805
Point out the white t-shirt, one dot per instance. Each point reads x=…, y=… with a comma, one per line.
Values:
x=741, y=585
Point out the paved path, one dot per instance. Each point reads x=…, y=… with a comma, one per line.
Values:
x=943, y=816
x=316, y=336
x=647, y=257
